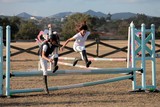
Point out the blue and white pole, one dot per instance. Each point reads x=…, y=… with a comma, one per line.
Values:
x=132, y=26
x=8, y=39
x=1, y=61
x=153, y=56
x=143, y=60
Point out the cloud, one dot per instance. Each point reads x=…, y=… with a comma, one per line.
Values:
x=11, y=1
x=19, y=1
x=1, y=13
x=136, y=1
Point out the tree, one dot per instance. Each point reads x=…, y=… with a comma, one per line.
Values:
x=123, y=28
x=28, y=30
x=69, y=27
x=4, y=22
x=15, y=24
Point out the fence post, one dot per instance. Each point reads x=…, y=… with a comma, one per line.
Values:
x=97, y=41
x=1, y=61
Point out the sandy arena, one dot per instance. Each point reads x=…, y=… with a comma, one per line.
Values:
x=116, y=94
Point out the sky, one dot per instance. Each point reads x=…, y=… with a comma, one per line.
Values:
x=47, y=8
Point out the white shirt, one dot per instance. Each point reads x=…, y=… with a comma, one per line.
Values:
x=80, y=40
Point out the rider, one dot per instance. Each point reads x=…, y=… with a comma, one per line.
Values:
x=47, y=54
x=79, y=44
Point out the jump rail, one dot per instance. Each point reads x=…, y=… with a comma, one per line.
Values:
x=96, y=59
x=72, y=86
x=60, y=72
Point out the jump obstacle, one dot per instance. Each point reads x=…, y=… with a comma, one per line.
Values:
x=131, y=70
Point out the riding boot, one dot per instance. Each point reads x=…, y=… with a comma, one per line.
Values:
x=45, y=84
x=76, y=60
x=85, y=58
x=55, y=65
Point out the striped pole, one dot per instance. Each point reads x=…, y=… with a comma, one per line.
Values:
x=83, y=72
x=129, y=48
x=79, y=66
x=73, y=85
x=95, y=59
x=1, y=61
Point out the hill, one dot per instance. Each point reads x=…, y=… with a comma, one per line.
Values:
x=27, y=16
x=123, y=15
x=116, y=16
x=61, y=15
x=95, y=14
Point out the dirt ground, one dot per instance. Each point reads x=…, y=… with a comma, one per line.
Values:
x=116, y=94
